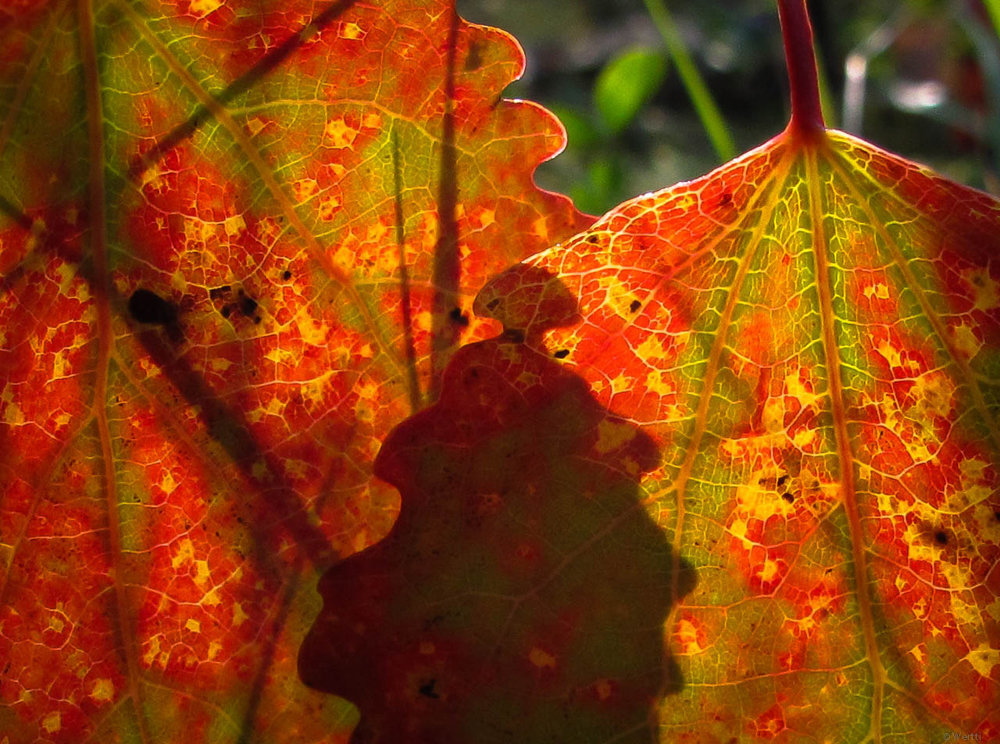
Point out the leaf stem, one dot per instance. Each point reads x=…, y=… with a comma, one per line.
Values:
x=704, y=104
x=807, y=110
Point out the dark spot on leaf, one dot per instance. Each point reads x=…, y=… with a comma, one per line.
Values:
x=997, y=515
x=513, y=334
x=427, y=690
x=148, y=307
x=474, y=59
x=286, y=275
x=247, y=304
x=256, y=319
x=726, y=199
x=457, y=316
x=217, y=292
x=941, y=537
x=492, y=304
x=226, y=310
x=592, y=239
x=635, y=305
x=782, y=480
x=787, y=497
x=561, y=354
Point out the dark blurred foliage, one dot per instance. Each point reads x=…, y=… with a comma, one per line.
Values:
x=931, y=83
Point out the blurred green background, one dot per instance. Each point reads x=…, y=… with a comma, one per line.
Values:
x=918, y=77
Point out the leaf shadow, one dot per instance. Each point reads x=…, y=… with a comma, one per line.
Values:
x=205, y=113
x=521, y=595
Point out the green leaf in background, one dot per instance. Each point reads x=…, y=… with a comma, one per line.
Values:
x=626, y=83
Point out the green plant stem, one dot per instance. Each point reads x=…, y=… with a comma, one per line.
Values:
x=993, y=7
x=704, y=104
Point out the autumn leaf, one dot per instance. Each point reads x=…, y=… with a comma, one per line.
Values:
x=238, y=242
x=809, y=337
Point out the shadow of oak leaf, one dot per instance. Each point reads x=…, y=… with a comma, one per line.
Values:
x=521, y=595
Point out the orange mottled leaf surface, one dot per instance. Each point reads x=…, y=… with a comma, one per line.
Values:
x=238, y=242
x=810, y=336
x=730, y=473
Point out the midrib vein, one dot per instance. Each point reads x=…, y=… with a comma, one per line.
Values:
x=845, y=455
x=101, y=285
x=705, y=396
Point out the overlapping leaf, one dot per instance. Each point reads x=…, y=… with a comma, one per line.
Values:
x=238, y=242
x=810, y=335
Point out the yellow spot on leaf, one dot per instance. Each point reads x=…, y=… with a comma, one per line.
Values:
x=13, y=415
x=933, y=392
x=804, y=437
x=239, y=616
x=167, y=483
x=259, y=470
x=774, y=415
x=296, y=469
x=201, y=8
x=739, y=530
x=687, y=634
x=213, y=649
x=890, y=354
x=234, y=225
x=312, y=333
x=618, y=296
x=611, y=435
x=795, y=388
x=328, y=208
x=768, y=571
x=965, y=341
x=152, y=651
x=985, y=291
x=376, y=232
x=185, y=552
x=202, y=574
x=351, y=31
x=983, y=659
x=620, y=384
x=193, y=625
x=280, y=355
x=540, y=228
x=255, y=124
x=102, y=690
x=879, y=291
x=651, y=348
x=52, y=722
x=340, y=133
x=487, y=217
x=305, y=188
x=541, y=658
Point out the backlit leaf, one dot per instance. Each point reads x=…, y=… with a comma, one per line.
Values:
x=809, y=337
x=238, y=242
